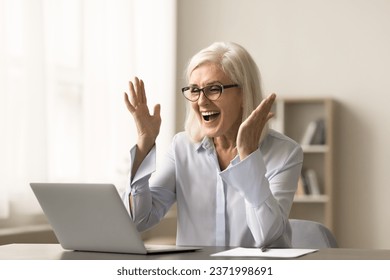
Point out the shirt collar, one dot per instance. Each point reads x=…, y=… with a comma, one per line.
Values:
x=205, y=144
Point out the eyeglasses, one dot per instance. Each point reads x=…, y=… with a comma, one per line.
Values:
x=212, y=92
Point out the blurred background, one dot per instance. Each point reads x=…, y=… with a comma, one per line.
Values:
x=64, y=65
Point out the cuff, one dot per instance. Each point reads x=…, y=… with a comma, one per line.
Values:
x=147, y=167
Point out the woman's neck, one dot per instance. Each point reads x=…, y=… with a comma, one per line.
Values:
x=226, y=150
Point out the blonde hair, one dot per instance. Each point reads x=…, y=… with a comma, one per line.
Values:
x=240, y=67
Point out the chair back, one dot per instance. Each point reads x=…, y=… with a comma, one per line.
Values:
x=311, y=235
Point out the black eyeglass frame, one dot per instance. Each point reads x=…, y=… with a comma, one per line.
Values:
x=199, y=90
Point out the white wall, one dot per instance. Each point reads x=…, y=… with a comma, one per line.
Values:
x=335, y=48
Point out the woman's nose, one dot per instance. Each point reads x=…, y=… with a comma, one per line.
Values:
x=202, y=99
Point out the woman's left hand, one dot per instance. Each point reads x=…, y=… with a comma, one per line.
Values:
x=250, y=130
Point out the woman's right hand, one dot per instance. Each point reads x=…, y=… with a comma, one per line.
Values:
x=148, y=126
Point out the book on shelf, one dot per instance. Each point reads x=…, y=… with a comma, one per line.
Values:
x=314, y=133
x=302, y=187
x=311, y=180
x=308, y=184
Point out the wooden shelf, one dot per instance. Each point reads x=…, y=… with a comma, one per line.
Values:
x=292, y=118
x=311, y=198
x=315, y=148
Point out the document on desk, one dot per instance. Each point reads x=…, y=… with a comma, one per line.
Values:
x=269, y=253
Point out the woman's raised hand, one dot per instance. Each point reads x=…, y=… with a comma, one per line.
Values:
x=250, y=130
x=148, y=126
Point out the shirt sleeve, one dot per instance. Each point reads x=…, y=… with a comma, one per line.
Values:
x=145, y=170
x=268, y=192
x=150, y=203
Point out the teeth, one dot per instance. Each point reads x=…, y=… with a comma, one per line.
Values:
x=209, y=113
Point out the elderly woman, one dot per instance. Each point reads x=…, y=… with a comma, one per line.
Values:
x=233, y=179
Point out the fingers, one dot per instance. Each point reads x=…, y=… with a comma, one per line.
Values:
x=133, y=96
x=265, y=106
x=137, y=92
x=137, y=97
x=156, y=110
x=269, y=101
x=127, y=102
x=251, y=129
x=143, y=92
x=140, y=90
x=270, y=116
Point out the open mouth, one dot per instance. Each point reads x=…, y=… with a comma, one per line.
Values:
x=209, y=116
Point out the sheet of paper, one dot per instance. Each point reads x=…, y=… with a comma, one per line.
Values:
x=270, y=253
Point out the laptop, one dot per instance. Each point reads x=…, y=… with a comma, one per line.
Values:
x=92, y=217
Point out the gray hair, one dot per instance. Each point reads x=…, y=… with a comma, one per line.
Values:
x=240, y=67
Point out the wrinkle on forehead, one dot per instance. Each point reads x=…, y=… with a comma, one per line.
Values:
x=208, y=73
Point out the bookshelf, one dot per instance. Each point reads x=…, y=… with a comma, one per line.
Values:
x=295, y=118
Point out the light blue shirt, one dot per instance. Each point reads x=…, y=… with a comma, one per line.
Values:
x=247, y=204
